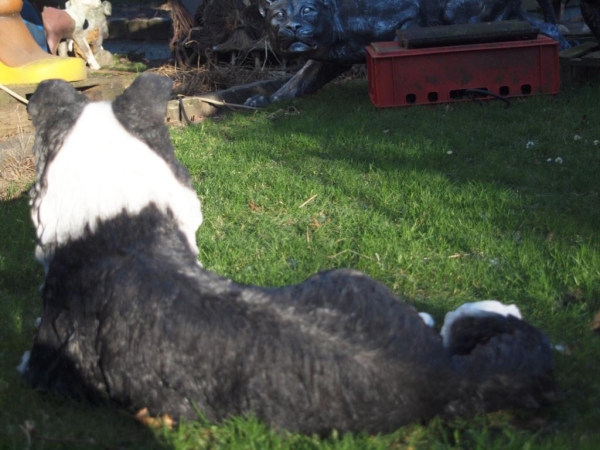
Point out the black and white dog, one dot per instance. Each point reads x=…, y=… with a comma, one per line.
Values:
x=129, y=315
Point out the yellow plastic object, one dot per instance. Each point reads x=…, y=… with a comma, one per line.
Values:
x=22, y=61
x=68, y=69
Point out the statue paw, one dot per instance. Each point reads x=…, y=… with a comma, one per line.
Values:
x=94, y=65
x=258, y=101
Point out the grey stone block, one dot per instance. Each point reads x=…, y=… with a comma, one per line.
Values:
x=138, y=29
x=159, y=28
x=118, y=29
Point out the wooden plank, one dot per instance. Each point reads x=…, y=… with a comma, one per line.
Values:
x=463, y=34
x=591, y=59
x=577, y=74
x=580, y=69
x=200, y=107
x=187, y=111
x=109, y=87
x=14, y=119
x=578, y=51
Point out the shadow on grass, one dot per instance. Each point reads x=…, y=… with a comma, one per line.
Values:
x=541, y=147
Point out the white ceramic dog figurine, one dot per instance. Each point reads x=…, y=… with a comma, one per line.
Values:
x=76, y=24
x=97, y=30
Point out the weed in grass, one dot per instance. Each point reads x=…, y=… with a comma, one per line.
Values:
x=445, y=204
x=16, y=174
x=122, y=63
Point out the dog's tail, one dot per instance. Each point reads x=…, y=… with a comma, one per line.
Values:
x=503, y=361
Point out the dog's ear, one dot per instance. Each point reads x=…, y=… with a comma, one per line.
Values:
x=145, y=100
x=107, y=8
x=51, y=100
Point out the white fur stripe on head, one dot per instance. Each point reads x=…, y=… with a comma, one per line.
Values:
x=476, y=309
x=101, y=171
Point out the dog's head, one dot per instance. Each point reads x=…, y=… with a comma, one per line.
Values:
x=78, y=10
x=95, y=160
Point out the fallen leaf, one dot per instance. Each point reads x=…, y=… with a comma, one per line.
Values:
x=596, y=323
x=165, y=421
x=253, y=206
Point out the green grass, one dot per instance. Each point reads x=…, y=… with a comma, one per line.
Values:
x=122, y=63
x=444, y=204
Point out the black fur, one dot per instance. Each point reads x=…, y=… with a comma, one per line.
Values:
x=54, y=109
x=141, y=110
x=590, y=11
x=129, y=316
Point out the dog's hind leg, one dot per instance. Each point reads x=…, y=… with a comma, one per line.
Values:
x=348, y=305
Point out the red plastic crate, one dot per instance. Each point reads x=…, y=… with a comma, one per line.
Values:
x=401, y=77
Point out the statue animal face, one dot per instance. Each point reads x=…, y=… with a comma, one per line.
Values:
x=300, y=27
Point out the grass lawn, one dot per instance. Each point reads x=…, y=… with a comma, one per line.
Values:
x=444, y=204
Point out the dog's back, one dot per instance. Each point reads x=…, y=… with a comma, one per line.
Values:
x=130, y=316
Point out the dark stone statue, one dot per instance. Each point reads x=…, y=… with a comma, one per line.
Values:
x=590, y=10
x=333, y=34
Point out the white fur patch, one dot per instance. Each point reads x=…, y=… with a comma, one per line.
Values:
x=101, y=171
x=476, y=309
x=78, y=9
x=21, y=368
x=427, y=319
